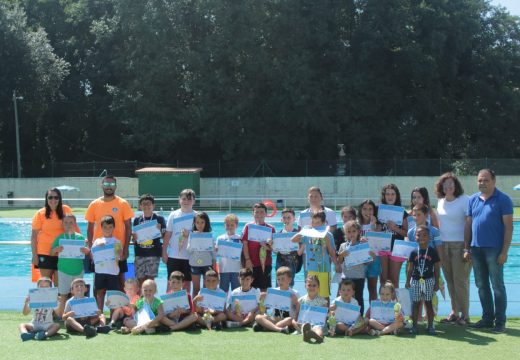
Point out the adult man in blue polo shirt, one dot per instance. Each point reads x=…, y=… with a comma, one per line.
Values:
x=488, y=230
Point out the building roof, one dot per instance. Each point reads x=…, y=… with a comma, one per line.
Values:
x=168, y=170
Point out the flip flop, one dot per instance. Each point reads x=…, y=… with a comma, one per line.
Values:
x=450, y=319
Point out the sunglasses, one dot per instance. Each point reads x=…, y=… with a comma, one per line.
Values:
x=109, y=184
x=53, y=197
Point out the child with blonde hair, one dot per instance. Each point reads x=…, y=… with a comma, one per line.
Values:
x=387, y=298
x=148, y=311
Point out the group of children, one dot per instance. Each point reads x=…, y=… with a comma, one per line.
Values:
x=251, y=274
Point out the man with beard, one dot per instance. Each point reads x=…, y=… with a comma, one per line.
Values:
x=120, y=210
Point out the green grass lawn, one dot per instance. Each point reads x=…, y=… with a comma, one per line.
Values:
x=452, y=342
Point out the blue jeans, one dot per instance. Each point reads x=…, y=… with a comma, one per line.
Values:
x=485, y=268
x=229, y=278
x=289, y=260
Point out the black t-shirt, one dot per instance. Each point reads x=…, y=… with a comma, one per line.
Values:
x=427, y=256
x=154, y=248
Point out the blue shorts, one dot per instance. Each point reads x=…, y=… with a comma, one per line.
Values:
x=199, y=270
x=227, y=279
x=373, y=269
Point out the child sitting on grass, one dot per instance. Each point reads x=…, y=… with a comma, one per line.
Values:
x=89, y=325
x=311, y=331
x=148, y=307
x=347, y=290
x=121, y=313
x=180, y=318
x=235, y=312
x=209, y=317
x=42, y=325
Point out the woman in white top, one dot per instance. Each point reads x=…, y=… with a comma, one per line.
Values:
x=315, y=198
x=452, y=210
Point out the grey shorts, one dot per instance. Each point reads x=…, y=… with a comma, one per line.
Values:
x=64, y=281
x=146, y=266
x=41, y=326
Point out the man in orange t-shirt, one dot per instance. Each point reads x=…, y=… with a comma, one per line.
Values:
x=120, y=210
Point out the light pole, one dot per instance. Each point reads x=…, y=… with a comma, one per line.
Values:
x=18, y=156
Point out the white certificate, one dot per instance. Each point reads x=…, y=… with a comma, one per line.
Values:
x=247, y=302
x=229, y=249
x=347, y=313
x=305, y=219
x=71, y=249
x=145, y=315
x=358, y=254
x=213, y=299
x=403, y=249
x=384, y=313
x=103, y=254
x=147, y=231
x=43, y=298
x=379, y=241
x=174, y=301
x=84, y=307
x=200, y=242
x=278, y=299
x=282, y=243
x=259, y=233
x=117, y=299
x=315, y=315
x=184, y=222
x=311, y=232
x=390, y=213
x=405, y=299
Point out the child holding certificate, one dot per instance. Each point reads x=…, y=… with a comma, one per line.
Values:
x=281, y=320
x=355, y=273
x=148, y=311
x=386, y=326
x=244, y=300
x=368, y=221
x=318, y=253
x=148, y=250
x=229, y=268
x=347, y=289
x=311, y=331
x=200, y=261
x=89, y=325
x=423, y=277
x=125, y=312
x=257, y=253
x=71, y=250
x=180, y=318
x=42, y=325
x=347, y=213
x=420, y=215
x=106, y=252
x=290, y=259
x=208, y=317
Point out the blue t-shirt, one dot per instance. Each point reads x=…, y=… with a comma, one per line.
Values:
x=487, y=227
x=435, y=235
x=316, y=253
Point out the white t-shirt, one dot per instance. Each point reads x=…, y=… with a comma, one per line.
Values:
x=227, y=265
x=107, y=267
x=176, y=251
x=353, y=301
x=238, y=292
x=452, y=218
x=305, y=217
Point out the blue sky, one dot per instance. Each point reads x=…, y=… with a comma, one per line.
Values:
x=512, y=5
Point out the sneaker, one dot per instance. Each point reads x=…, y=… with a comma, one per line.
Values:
x=408, y=324
x=112, y=326
x=499, y=329
x=125, y=330
x=103, y=329
x=27, y=336
x=374, y=332
x=431, y=331
x=218, y=327
x=40, y=335
x=481, y=324
x=89, y=331
x=286, y=330
x=257, y=327
x=413, y=330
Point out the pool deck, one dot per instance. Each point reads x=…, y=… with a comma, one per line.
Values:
x=15, y=289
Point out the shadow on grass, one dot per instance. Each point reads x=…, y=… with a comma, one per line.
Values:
x=59, y=336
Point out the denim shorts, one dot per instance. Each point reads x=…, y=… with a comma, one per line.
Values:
x=199, y=270
x=373, y=269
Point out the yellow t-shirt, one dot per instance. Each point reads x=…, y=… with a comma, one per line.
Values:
x=118, y=208
x=49, y=229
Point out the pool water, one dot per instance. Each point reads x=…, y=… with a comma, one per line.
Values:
x=16, y=259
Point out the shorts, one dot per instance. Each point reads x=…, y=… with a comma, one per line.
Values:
x=262, y=278
x=384, y=253
x=146, y=266
x=106, y=282
x=65, y=280
x=200, y=270
x=324, y=278
x=227, y=279
x=373, y=269
x=182, y=265
x=47, y=262
x=123, y=266
x=41, y=326
x=419, y=294
x=397, y=259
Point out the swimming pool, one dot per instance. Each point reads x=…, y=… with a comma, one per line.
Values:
x=15, y=261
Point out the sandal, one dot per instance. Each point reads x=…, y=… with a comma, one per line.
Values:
x=462, y=321
x=450, y=319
